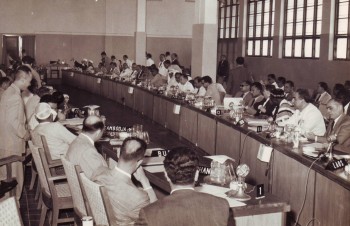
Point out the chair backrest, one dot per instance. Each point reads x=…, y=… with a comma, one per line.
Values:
x=91, y=191
x=39, y=166
x=74, y=185
x=36, y=139
x=9, y=212
x=46, y=149
x=107, y=204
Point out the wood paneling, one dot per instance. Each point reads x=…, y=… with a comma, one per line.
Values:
x=104, y=88
x=148, y=105
x=172, y=120
x=127, y=97
x=159, y=111
x=206, y=133
x=228, y=141
x=288, y=183
x=332, y=203
x=249, y=150
x=139, y=102
x=188, y=124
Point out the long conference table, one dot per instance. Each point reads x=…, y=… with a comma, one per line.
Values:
x=324, y=195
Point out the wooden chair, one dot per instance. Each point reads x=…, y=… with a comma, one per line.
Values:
x=107, y=204
x=92, y=193
x=7, y=162
x=80, y=207
x=55, y=191
x=52, y=163
x=9, y=212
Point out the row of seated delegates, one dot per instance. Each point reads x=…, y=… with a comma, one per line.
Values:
x=57, y=136
x=204, y=86
x=338, y=129
x=13, y=131
x=5, y=82
x=126, y=198
x=85, y=65
x=184, y=205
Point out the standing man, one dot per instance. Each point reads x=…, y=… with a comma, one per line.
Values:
x=223, y=70
x=105, y=60
x=237, y=76
x=13, y=130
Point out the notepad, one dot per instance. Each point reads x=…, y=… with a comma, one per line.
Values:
x=72, y=121
x=219, y=192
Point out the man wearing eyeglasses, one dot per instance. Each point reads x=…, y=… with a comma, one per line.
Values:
x=245, y=92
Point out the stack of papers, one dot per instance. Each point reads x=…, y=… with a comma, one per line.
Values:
x=151, y=161
x=219, y=192
x=256, y=122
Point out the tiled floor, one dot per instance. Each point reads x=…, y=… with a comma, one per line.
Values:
x=116, y=115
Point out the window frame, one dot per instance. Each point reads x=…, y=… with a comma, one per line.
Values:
x=261, y=38
x=233, y=5
x=337, y=36
x=303, y=37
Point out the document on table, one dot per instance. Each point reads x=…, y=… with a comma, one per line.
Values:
x=151, y=161
x=219, y=192
x=72, y=121
x=154, y=169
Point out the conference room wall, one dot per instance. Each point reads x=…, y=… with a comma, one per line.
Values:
x=181, y=46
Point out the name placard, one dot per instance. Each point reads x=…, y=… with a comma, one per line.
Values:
x=337, y=164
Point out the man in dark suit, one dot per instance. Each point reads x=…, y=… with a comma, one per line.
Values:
x=184, y=206
x=126, y=199
x=223, y=70
x=338, y=128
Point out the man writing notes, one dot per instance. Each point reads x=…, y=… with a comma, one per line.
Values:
x=82, y=151
x=184, y=206
x=338, y=128
x=13, y=131
x=127, y=199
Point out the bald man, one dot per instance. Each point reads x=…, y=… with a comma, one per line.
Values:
x=338, y=128
x=13, y=129
x=82, y=150
x=127, y=199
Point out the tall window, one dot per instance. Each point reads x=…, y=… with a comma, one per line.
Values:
x=302, y=28
x=228, y=19
x=342, y=31
x=260, y=27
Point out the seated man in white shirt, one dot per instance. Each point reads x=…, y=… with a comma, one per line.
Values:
x=199, y=88
x=127, y=61
x=174, y=80
x=184, y=85
x=307, y=116
x=58, y=138
x=126, y=72
x=212, y=90
x=149, y=60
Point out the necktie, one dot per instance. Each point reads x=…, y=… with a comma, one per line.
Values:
x=318, y=98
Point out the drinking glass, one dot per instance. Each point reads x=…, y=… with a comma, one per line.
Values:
x=145, y=137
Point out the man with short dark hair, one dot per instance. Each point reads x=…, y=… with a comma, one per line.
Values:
x=212, y=89
x=149, y=60
x=198, y=86
x=281, y=81
x=306, y=116
x=237, y=76
x=5, y=82
x=338, y=128
x=29, y=61
x=245, y=92
x=127, y=61
x=184, y=206
x=13, y=128
x=322, y=98
x=184, y=85
x=82, y=151
x=127, y=199
x=288, y=90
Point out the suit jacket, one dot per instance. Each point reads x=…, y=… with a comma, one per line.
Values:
x=322, y=103
x=246, y=98
x=125, y=198
x=342, y=129
x=186, y=207
x=12, y=122
x=83, y=153
x=223, y=68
